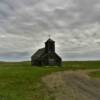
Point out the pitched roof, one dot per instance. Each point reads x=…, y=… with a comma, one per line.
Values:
x=39, y=53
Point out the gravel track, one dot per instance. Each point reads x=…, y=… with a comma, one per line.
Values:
x=72, y=85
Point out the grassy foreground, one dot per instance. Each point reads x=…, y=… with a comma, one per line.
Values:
x=21, y=81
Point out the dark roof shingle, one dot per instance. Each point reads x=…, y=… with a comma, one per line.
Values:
x=39, y=53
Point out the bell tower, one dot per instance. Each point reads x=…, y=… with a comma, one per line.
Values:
x=50, y=46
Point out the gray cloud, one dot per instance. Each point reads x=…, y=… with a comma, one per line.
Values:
x=73, y=24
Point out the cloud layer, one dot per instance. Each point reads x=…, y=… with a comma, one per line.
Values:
x=73, y=24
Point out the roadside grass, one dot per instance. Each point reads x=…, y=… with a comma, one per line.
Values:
x=21, y=81
x=95, y=74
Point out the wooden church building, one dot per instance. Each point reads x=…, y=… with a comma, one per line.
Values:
x=46, y=56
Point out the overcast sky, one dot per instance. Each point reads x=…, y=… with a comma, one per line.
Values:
x=73, y=24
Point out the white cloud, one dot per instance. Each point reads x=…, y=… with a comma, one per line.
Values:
x=73, y=24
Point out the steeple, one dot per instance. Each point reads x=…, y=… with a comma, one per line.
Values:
x=49, y=36
x=50, y=46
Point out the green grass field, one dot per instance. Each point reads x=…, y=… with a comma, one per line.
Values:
x=21, y=81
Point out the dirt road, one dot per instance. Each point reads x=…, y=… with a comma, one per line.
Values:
x=72, y=85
